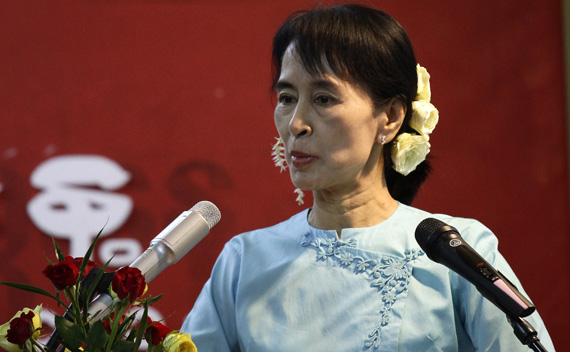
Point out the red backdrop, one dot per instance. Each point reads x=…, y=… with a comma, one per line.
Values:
x=175, y=96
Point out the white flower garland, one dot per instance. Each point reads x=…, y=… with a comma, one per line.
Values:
x=278, y=153
x=408, y=150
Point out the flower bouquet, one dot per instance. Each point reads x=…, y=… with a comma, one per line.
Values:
x=83, y=329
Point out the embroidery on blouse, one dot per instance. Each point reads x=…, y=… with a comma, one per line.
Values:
x=390, y=276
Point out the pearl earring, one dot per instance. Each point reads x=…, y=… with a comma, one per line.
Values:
x=383, y=140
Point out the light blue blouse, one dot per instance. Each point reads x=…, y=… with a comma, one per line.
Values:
x=292, y=287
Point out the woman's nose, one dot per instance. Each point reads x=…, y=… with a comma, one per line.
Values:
x=298, y=125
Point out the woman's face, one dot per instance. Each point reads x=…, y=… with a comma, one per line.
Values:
x=331, y=129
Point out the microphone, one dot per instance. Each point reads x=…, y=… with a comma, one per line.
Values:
x=177, y=239
x=167, y=248
x=443, y=244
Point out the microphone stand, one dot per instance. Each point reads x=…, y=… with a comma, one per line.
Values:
x=54, y=342
x=526, y=334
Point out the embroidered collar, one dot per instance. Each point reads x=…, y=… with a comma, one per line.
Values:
x=387, y=271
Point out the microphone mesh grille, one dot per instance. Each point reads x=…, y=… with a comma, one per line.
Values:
x=427, y=232
x=209, y=212
x=430, y=225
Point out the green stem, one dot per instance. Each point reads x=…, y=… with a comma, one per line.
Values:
x=39, y=346
x=77, y=318
x=119, y=312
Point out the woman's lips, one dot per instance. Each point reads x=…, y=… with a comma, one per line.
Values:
x=299, y=159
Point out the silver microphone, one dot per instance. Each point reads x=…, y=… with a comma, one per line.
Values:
x=167, y=248
x=177, y=239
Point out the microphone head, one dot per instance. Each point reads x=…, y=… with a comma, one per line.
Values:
x=428, y=233
x=208, y=211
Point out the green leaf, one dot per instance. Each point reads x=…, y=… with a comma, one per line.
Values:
x=96, y=337
x=49, y=261
x=119, y=312
x=152, y=300
x=87, y=256
x=58, y=252
x=122, y=346
x=89, y=252
x=142, y=328
x=126, y=324
x=30, y=289
x=70, y=333
x=131, y=336
x=92, y=286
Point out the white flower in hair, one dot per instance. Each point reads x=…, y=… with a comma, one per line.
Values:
x=424, y=92
x=424, y=117
x=408, y=151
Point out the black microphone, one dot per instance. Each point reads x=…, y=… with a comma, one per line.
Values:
x=443, y=244
x=167, y=248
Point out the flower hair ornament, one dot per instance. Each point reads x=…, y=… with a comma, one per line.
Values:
x=410, y=149
x=278, y=153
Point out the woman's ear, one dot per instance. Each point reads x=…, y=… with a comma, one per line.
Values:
x=395, y=110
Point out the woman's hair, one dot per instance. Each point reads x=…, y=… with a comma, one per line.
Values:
x=366, y=47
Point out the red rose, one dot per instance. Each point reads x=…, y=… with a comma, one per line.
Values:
x=77, y=262
x=21, y=328
x=62, y=274
x=128, y=282
x=156, y=333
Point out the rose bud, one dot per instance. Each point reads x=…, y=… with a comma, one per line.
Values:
x=77, y=262
x=156, y=333
x=128, y=282
x=21, y=329
x=62, y=274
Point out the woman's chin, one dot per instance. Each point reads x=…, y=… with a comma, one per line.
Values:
x=304, y=184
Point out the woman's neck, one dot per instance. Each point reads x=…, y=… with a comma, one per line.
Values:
x=359, y=209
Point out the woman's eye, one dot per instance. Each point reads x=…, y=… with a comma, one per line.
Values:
x=323, y=100
x=285, y=99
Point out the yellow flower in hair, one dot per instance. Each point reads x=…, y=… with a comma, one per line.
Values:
x=408, y=151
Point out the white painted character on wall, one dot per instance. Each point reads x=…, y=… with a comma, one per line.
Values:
x=76, y=201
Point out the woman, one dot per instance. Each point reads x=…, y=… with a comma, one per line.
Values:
x=347, y=274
